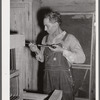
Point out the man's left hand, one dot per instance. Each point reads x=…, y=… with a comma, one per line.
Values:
x=56, y=48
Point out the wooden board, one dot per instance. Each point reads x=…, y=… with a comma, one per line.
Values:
x=17, y=41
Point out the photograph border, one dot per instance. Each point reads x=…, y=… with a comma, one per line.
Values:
x=5, y=29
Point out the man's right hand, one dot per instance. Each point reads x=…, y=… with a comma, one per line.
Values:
x=33, y=47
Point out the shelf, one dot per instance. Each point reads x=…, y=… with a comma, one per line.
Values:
x=34, y=96
x=17, y=41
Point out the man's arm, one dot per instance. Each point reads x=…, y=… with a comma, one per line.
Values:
x=73, y=51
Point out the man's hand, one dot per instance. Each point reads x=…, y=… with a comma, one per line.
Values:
x=56, y=48
x=39, y=57
x=33, y=47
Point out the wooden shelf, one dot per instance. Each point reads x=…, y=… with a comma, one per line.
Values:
x=34, y=96
x=17, y=41
x=56, y=95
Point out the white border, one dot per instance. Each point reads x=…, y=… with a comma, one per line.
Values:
x=97, y=53
x=5, y=48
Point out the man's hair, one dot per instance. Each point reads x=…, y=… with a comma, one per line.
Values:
x=54, y=17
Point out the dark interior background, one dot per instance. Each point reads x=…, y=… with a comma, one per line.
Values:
x=81, y=27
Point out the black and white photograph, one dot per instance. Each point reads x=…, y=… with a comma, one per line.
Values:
x=52, y=50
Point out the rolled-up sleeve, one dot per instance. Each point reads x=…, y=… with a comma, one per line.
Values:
x=73, y=51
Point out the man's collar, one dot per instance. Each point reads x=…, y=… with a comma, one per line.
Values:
x=59, y=37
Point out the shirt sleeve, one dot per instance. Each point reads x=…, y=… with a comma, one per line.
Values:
x=73, y=51
x=43, y=42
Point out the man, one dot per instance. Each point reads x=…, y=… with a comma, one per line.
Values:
x=59, y=50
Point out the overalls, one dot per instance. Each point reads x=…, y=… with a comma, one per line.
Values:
x=57, y=73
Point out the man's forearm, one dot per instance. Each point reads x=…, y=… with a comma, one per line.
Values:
x=73, y=57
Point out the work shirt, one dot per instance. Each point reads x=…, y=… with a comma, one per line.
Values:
x=73, y=51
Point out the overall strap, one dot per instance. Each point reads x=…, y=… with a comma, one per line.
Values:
x=65, y=37
x=46, y=39
x=62, y=39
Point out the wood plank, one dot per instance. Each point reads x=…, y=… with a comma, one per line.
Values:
x=67, y=2
x=89, y=7
x=20, y=64
x=81, y=66
x=17, y=41
x=57, y=95
x=92, y=70
x=14, y=73
x=81, y=99
x=34, y=96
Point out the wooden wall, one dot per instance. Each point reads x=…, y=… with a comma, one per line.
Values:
x=70, y=5
x=23, y=20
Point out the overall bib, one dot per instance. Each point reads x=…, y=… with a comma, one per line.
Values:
x=57, y=74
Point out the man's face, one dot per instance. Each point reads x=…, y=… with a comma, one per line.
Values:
x=50, y=27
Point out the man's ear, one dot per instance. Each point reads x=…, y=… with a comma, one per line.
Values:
x=56, y=23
